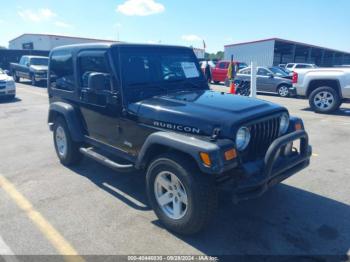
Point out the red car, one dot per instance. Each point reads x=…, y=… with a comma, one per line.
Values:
x=219, y=73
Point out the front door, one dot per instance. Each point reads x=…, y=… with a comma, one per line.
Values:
x=101, y=117
x=264, y=82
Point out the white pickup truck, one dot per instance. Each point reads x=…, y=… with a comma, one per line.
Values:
x=326, y=88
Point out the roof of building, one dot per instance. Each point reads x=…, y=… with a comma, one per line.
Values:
x=64, y=36
x=286, y=41
x=104, y=45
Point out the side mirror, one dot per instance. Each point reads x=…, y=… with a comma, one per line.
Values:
x=27, y=64
x=97, y=81
x=270, y=75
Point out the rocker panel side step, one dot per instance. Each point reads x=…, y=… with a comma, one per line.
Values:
x=89, y=152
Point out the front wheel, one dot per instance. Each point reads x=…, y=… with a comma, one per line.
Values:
x=283, y=91
x=324, y=100
x=15, y=77
x=182, y=197
x=67, y=150
x=33, y=80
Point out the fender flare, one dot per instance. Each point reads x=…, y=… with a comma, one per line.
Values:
x=68, y=112
x=188, y=145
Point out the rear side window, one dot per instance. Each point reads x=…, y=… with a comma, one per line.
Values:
x=61, y=70
x=303, y=66
x=262, y=72
x=223, y=65
x=92, y=63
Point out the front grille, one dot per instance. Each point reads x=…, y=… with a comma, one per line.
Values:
x=263, y=133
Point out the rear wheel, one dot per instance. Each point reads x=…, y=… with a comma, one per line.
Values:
x=182, y=197
x=324, y=100
x=283, y=91
x=67, y=150
x=15, y=77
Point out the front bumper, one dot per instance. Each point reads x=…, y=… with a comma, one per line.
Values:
x=254, y=179
x=292, y=91
x=7, y=92
x=40, y=78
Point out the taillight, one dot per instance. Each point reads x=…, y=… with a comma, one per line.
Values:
x=295, y=78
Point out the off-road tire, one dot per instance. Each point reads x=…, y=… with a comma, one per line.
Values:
x=73, y=156
x=200, y=188
x=335, y=105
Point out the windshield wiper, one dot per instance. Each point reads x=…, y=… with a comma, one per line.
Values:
x=149, y=86
x=188, y=83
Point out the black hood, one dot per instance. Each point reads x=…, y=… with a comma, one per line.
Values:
x=202, y=111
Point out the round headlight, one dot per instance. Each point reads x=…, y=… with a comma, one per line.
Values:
x=242, y=138
x=284, y=124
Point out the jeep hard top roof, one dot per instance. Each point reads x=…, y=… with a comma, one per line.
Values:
x=77, y=47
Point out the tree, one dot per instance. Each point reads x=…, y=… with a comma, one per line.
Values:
x=218, y=56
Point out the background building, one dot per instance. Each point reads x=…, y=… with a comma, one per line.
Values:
x=277, y=51
x=45, y=42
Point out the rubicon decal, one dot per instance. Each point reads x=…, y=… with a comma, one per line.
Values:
x=175, y=127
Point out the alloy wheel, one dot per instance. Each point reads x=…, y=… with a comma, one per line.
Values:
x=324, y=100
x=171, y=195
x=61, y=141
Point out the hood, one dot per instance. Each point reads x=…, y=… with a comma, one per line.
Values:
x=4, y=77
x=200, y=112
x=39, y=67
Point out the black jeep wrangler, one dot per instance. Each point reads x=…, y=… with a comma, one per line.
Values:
x=149, y=107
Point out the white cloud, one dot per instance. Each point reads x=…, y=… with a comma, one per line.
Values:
x=43, y=14
x=117, y=25
x=140, y=8
x=62, y=24
x=191, y=38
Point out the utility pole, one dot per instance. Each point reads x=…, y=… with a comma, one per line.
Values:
x=253, y=79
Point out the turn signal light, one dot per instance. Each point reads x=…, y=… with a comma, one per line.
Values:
x=298, y=126
x=205, y=159
x=230, y=154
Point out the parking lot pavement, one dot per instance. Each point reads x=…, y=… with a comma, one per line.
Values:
x=95, y=210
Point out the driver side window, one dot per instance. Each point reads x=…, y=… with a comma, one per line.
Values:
x=92, y=63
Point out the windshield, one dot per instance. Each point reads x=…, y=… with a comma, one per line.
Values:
x=150, y=71
x=242, y=66
x=277, y=71
x=39, y=61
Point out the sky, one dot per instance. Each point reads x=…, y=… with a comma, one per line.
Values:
x=182, y=22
